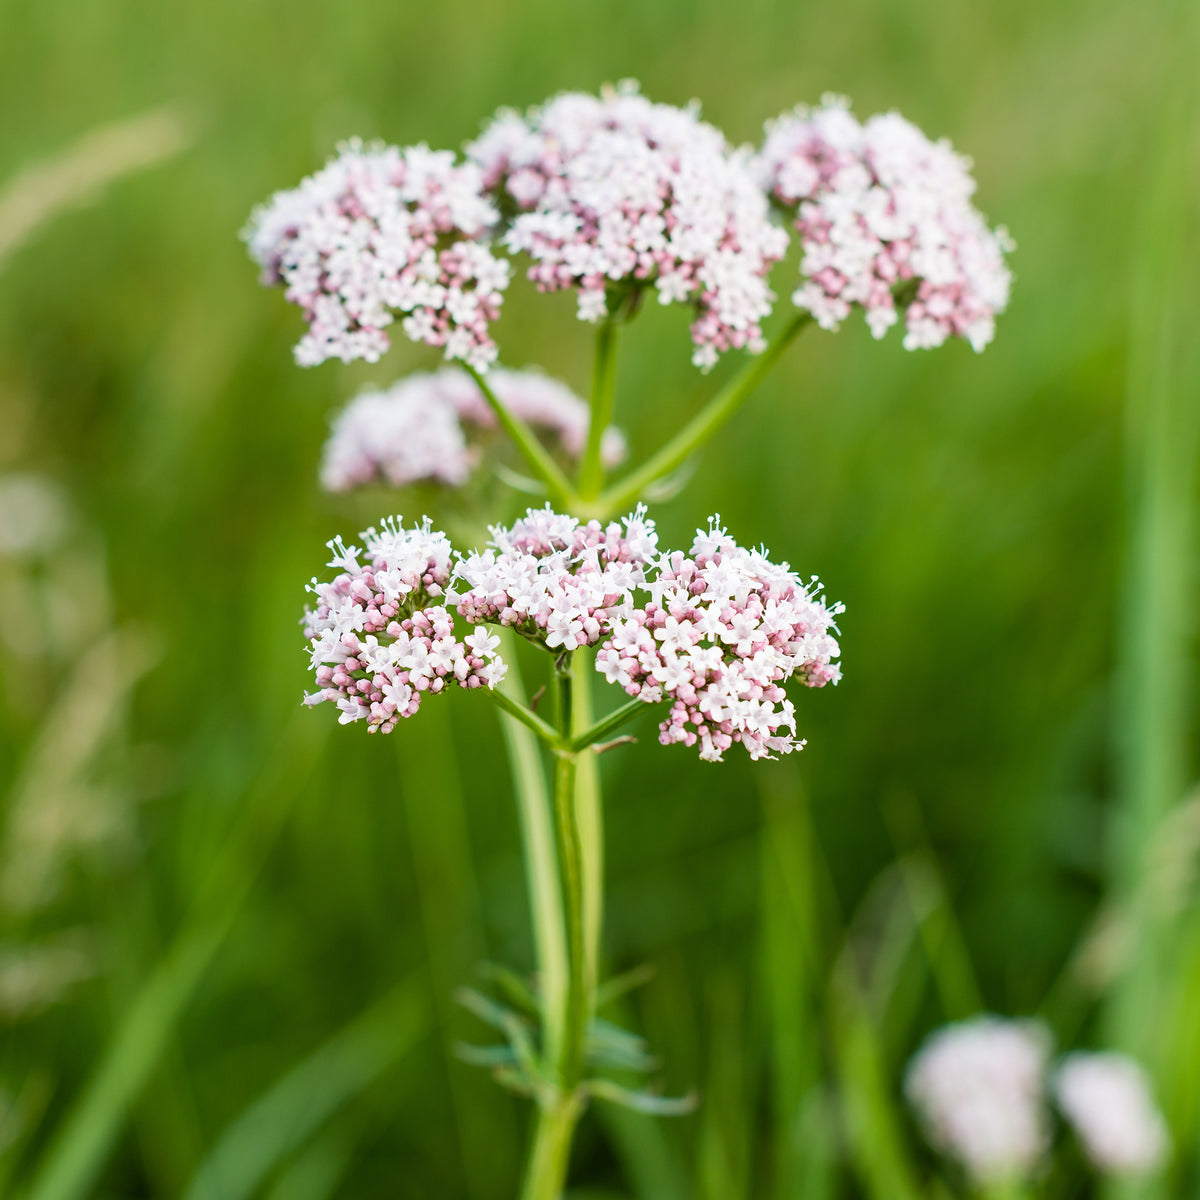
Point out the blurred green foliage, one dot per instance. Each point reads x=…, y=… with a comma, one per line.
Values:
x=259, y=888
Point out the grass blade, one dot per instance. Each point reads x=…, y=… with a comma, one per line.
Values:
x=288, y=1113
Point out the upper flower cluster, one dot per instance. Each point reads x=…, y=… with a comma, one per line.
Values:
x=381, y=230
x=611, y=195
x=723, y=630
x=881, y=210
x=554, y=579
x=979, y=1086
x=615, y=191
x=380, y=637
x=414, y=431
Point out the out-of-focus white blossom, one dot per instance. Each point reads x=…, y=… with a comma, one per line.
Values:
x=379, y=231
x=978, y=1087
x=613, y=190
x=35, y=515
x=882, y=210
x=723, y=630
x=1106, y=1098
x=36, y=975
x=414, y=430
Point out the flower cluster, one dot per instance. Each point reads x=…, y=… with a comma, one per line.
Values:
x=401, y=435
x=413, y=431
x=882, y=210
x=381, y=230
x=977, y=1087
x=1106, y=1098
x=380, y=636
x=723, y=630
x=556, y=580
x=616, y=190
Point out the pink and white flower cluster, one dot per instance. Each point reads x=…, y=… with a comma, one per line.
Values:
x=380, y=635
x=613, y=194
x=414, y=431
x=381, y=230
x=555, y=580
x=723, y=630
x=616, y=190
x=879, y=206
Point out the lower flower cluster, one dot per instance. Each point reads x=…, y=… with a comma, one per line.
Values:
x=715, y=633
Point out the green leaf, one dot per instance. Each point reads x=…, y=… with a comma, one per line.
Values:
x=620, y=985
x=643, y=1102
x=486, y=1056
x=514, y=988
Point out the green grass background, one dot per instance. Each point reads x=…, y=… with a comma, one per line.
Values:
x=1011, y=534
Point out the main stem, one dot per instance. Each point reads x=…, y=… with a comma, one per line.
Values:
x=559, y=1110
x=541, y=857
x=589, y=812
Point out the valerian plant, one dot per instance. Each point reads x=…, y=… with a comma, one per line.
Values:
x=619, y=200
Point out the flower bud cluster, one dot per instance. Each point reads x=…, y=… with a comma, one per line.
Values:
x=414, y=431
x=882, y=210
x=555, y=580
x=723, y=630
x=616, y=190
x=381, y=230
x=1106, y=1098
x=978, y=1089
x=380, y=635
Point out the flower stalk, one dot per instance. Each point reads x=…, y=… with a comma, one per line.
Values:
x=526, y=441
x=591, y=470
x=702, y=426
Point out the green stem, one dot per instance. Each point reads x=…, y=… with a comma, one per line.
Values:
x=526, y=716
x=546, y=1172
x=591, y=468
x=701, y=427
x=571, y=873
x=559, y=1111
x=590, y=812
x=537, y=838
x=610, y=724
x=570, y=861
x=534, y=453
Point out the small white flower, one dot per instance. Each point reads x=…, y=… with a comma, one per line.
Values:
x=1107, y=1100
x=978, y=1088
